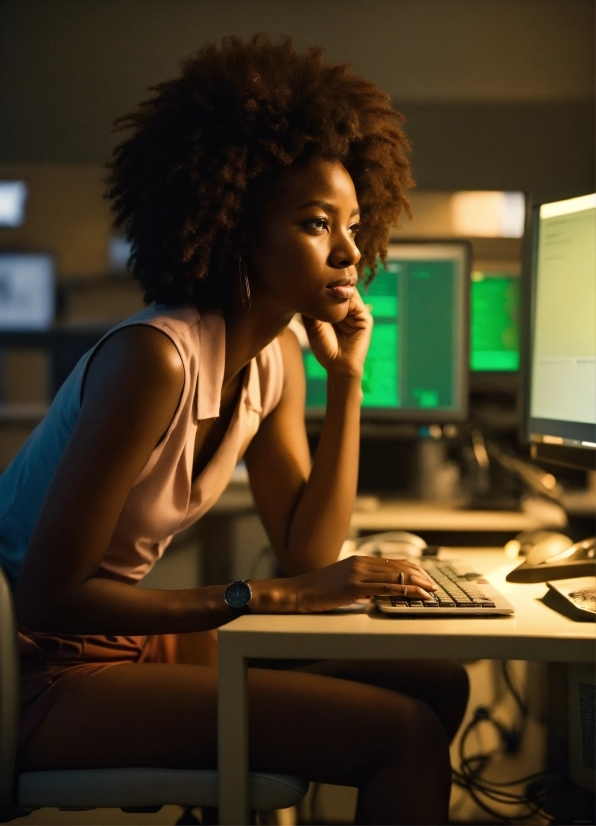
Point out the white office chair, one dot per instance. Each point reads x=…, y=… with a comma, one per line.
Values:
x=132, y=789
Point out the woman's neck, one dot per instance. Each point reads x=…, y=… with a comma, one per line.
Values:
x=248, y=332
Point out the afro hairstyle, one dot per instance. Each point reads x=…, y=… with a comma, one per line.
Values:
x=206, y=143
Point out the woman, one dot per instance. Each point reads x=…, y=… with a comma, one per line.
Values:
x=257, y=185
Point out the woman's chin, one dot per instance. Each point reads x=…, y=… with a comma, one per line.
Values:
x=332, y=314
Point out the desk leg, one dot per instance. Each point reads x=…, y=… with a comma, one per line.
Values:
x=557, y=731
x=232, y=721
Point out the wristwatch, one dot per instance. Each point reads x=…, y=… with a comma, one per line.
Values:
x=238, y=595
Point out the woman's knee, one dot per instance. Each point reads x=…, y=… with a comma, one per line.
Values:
x=410, y=725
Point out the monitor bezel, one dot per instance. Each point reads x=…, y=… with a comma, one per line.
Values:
x=422, y=416
x=570, y=452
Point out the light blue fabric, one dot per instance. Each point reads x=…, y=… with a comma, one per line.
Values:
x=24, y=483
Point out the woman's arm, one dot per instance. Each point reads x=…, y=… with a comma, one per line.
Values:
x=131, y=393
x=307, y=512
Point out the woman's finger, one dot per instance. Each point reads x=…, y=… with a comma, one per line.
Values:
x=393, y=569
x=390, y=589
x=392, y=576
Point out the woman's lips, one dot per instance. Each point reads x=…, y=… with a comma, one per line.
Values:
x=341, y=289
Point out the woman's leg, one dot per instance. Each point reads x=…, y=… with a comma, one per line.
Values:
x=441, y=684
x=389, y=745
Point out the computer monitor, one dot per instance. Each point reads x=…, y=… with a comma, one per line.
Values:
x=495, y=306
x=27, y=291
x=561, y=380
x=417, y=366
x=13, y=195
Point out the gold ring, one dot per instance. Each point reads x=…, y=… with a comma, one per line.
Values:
x=402, y=578
x=405, y=590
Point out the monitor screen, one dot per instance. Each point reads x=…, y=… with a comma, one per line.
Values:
x=27, y=294
x=495, y=302
x=417, y=364
x=562, y=375
x=13, y=195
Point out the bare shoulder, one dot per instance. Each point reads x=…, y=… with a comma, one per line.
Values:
x=136, y=359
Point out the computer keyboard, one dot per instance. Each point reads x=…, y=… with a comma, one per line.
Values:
x=461, y=591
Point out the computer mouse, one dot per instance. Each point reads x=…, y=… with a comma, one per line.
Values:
x=392, y=545
x=585, y=549
x=548, y=546
x=537, y=546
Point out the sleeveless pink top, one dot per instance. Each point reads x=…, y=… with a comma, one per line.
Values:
x=164, y=499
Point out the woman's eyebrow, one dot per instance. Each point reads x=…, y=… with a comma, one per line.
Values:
x=327, y=207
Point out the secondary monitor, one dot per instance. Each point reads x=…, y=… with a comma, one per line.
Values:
x=417, y=365
x=27, y=291
x=561, y=404
x=13, y=195
x=495, y=304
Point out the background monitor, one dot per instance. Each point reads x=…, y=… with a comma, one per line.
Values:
x=13, y=195
x=495, y=304
x=561, y=404
x=27, y=291
x=416, y=369
x=119, y=250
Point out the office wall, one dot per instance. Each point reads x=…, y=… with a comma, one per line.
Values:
x=65, y=214
x=498, y=93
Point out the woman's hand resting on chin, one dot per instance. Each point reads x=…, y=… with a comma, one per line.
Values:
x=341, y=348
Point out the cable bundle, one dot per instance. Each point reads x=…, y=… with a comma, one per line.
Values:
x=483, y=791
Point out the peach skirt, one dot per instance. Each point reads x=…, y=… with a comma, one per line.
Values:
x=49, y=660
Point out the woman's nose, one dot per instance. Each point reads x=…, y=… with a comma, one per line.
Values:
x=344, y=254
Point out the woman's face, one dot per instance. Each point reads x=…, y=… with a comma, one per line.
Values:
x=303, y=256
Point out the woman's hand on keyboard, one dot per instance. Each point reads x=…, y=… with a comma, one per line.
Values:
x=357, y=577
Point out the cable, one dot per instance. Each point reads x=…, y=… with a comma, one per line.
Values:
x=483, y=791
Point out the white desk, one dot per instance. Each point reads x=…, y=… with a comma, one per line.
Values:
x=535, y=633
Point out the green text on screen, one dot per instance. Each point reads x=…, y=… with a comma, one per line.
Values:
x=410, y=362
x=495, y=325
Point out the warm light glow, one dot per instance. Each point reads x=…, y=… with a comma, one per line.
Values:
x=512, y=548
x=568, y=206
x=487, y=214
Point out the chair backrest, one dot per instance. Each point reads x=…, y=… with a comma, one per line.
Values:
x=10, y=697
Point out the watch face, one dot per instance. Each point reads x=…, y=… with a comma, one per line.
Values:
x=238, y=595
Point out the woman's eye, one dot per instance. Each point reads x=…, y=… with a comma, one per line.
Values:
x=318, y=223
x=354, y=228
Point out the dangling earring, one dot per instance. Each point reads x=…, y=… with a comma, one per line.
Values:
x=244, y=285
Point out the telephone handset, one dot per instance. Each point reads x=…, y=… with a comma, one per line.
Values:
x=553, y=555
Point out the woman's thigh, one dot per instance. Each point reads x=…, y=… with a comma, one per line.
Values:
x=441, y=684
x=323, y=728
